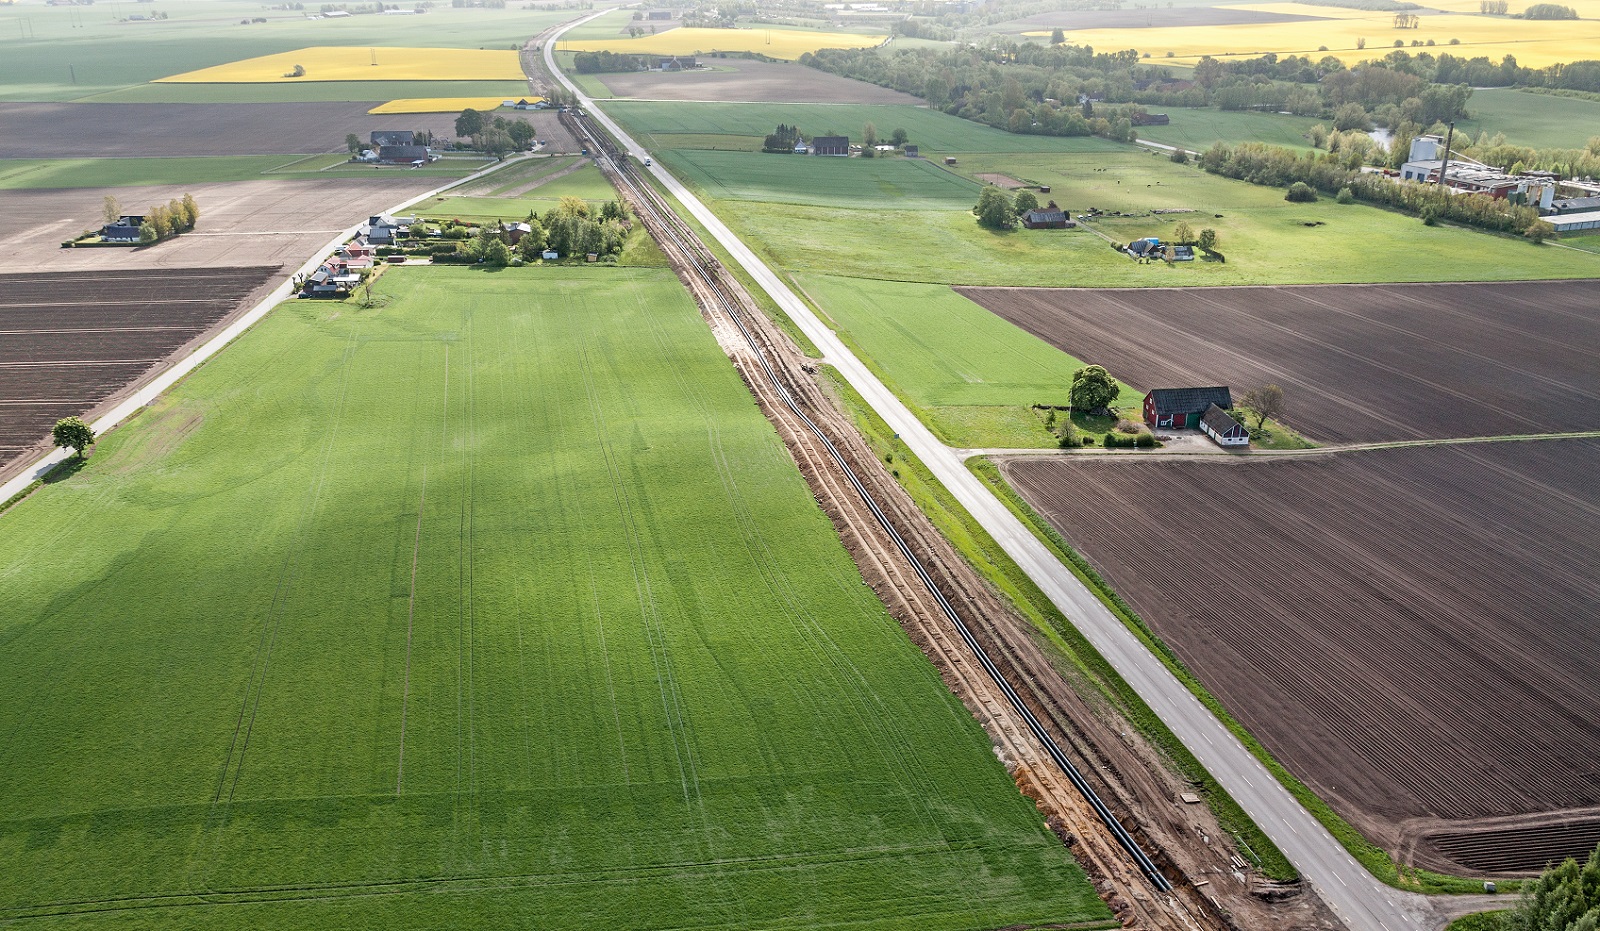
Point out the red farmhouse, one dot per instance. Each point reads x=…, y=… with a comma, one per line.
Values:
x=1183, y=407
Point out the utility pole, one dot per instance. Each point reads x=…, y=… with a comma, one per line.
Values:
x=1449, y=137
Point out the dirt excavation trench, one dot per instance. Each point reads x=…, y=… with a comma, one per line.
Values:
x=1129, y=775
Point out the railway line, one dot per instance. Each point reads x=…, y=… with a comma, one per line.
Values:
x=913, y=584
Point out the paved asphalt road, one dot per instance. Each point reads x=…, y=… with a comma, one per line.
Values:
x=1355, y=895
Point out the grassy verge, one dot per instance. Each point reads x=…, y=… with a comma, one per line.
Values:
x=1374, y=858
x=59, y=472
x=1079, y=660
x=1483, y=921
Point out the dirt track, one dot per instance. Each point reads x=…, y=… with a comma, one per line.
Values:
x=129, y=130
x=1357, y=362
x=1410, y=630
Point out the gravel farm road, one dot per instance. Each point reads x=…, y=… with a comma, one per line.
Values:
x=1359, y=899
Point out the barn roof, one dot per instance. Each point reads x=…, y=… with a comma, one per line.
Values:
x=1219, y=420
x=830, y=141
x=1047, y=216
x=1190, y=400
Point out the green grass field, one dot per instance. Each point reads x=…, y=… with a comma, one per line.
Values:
x=970, y=376
x=69, y=53
x=586, y=183
x=19, y=173
x=861, y=183
x=1200, y=129
x=1543, y=121
x=931, y=130
x=1266, y=239
x=498, y=600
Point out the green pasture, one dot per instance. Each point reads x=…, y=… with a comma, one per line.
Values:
x=498, y=599
x=1543, y=121
x=863, y=183
x=20, y=173
x=931, y=130
x=970, y=376
x=516, y=176
x=587, y=183
x=1265, y=239
x=73, y=52
x=311, y=92
x=1199, y=129
x=716, y=141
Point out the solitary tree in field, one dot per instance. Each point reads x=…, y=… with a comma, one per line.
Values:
x=1266, y=402
x=1093, y=388
x=110, y=209
x=1057, y=37
x=72, y=433
x=994, y=209
x=352, y=142
x=1208, y=240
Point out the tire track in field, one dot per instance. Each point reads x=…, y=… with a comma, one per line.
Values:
x=851, y=683
x=288, y=574
x=660, y=656
x=411, y=616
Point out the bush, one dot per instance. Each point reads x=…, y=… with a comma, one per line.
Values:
x=1550, y=11
x=454, y=258
x=1346, y=196
x=1130, y=427
x=1146, y=440
x=1301, y=193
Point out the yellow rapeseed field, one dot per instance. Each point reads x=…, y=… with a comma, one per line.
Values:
x=444, y=104
x=787, y=44
x=359, y=63
x=1534, y=43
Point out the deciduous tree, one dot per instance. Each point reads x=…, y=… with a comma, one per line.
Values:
x=993, y=209
x=72, y=433
x=1024, y=202
x=1093, y=389
x=469, y=123
x=352, y=142
x=110, y=209
x=1208, y=240
x=1182, y=233
x=1266, y=402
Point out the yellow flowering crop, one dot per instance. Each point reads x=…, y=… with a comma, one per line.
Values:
x=360, y=63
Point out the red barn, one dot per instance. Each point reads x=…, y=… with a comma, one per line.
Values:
x=1182, y=408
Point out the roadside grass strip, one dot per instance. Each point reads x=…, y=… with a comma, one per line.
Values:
x=497, y=598
x=361, y=63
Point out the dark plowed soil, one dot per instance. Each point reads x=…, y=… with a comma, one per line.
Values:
x=1357, y=362
x=70, y=341
x=755, y=81
x=1523, y=849
x=1411, y=630
x=126, y=130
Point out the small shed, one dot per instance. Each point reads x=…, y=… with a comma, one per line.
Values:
x=949, y=159
x=830, y=145
x=909, y=150
x=1182, y=408
x=1220, y=426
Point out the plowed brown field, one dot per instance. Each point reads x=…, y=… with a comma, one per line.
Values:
x=1357, y=362
x=1412, y=631
x=69, y=341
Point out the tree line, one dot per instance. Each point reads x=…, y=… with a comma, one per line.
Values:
x=178, y=215
x=572, y=227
